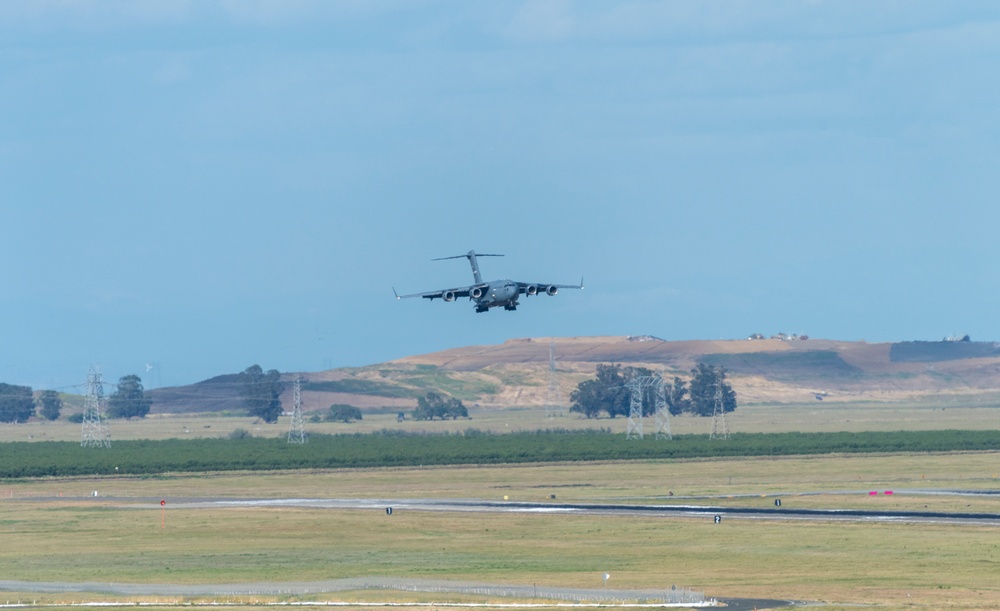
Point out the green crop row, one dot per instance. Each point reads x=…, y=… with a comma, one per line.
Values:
x=393, y=448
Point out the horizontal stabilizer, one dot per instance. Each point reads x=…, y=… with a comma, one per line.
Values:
x=465, y=256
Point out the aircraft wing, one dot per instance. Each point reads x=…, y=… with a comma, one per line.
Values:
x=445, y=294
x=531, y=288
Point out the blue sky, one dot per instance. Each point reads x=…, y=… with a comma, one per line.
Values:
x=207, y=185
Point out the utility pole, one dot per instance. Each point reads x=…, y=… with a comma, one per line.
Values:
x=662, y=411
x=635, y=385
x=95, y=427
x=553, y=403
x=720, y=429
x=296, y=432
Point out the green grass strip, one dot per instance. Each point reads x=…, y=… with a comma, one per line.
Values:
x=393, y=448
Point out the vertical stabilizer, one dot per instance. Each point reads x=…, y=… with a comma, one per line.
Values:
x=471, y=256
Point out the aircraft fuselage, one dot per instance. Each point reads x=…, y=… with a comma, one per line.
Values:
x=495, y=294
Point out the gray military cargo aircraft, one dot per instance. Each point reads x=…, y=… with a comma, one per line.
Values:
x=493, y=294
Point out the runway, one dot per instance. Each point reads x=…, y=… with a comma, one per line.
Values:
x=713, y=512
x=389, y=507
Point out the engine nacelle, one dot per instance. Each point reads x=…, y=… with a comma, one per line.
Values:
x=448, y=295
x=531, y=289
x=476, y=293
x=551, y=290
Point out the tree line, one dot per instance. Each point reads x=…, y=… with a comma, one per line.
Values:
x=19, y=403
x=261, y=390
x=607, y=394
x=435, y=405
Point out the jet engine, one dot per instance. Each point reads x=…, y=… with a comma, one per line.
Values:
x=551, y=290
x=531, y=289
x=476, y=293
x=448, y=295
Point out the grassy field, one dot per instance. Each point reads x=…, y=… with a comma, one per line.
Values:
x=817, y=416
x=894, y=565
x=53, y=529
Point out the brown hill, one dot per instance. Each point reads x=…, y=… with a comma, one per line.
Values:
x=516, y=373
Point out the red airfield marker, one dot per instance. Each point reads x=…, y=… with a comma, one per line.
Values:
x=163, y=513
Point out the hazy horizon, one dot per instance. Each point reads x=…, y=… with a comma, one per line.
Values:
x=203, y=186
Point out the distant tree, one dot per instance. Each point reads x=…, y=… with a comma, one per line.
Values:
x=130, y=400
x=76, y=418
x=425, y=407
x=608, y=393
x=343, y=413
x=435, y=405
x=705, y=383
x=455, y=409
x=49, y=405
x=17, y=403
x=261, y=393
x=588, y=399
x=676, y=396
x=648, y=391
x=239, y=433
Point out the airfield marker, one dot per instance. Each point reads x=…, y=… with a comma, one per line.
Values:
x=163, y=513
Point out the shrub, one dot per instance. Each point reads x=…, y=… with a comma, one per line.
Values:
x=343, y=413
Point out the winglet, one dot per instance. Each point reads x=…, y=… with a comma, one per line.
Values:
x=581, y=282
x=397, y=294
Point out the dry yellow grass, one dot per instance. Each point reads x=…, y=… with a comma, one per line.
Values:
x=846, y=563
x=895, y=565
x=807, y=417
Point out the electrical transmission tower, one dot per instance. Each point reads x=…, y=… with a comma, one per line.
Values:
x=635, y=385
x=95, y=428
x=553, y=403
x=296, y=432
x=720, y=430
x=662, y=411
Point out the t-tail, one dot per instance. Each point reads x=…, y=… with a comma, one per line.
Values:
x=471, y=256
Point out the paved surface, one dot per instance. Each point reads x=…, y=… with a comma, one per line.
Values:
x=700, y=511
x=750, y=604
x=582, y=597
